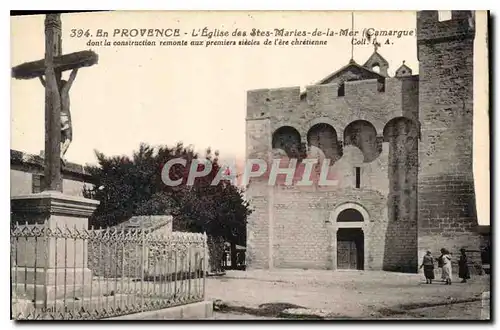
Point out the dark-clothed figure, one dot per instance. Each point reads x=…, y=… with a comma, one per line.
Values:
x=428, y=265
x=463, y=269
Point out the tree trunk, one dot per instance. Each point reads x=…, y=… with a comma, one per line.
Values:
x=234, y=259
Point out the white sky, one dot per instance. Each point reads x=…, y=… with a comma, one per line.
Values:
x=165, y=94
x=161, y=95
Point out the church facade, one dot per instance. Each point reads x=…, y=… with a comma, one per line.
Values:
x=399, y=150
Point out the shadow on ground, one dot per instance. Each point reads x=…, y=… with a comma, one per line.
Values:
x=299, y=294
x=270, y=310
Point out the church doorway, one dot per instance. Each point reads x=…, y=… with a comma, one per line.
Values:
x=350, y=248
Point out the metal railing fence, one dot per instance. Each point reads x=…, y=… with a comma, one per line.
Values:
x=77, y=273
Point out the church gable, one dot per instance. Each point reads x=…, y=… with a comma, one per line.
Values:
x=377, y=62
x=350, y=72
x=403, y=71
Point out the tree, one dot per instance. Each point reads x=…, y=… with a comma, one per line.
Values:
x=133, y=186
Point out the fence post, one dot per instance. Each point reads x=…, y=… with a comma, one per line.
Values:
x=46, y=262
x=205, y=261
x=143, y=239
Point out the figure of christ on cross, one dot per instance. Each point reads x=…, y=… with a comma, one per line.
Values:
x=58, y=124
x=63, y=87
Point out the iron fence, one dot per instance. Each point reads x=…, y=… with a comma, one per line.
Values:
x=68, y=273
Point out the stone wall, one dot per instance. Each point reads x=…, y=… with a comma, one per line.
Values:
x=296, y=222
x=74, y=188
x=362, y=101
x=146, y=253
x=20, y=182
x=258, y=194
x=300, y=222
x=401, y=236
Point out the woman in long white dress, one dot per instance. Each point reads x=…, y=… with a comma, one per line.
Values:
x=446, y=266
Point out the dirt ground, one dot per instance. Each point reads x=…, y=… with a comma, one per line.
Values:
x=348, y=294
x=460, y=311
x=240, y=316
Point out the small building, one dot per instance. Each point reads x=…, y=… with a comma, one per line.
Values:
x=27, y=172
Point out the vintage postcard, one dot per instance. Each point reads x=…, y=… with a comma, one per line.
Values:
x=249, y=165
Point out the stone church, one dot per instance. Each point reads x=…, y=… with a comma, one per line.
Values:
x=400, y=149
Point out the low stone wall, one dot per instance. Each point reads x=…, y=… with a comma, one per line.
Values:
x=199, y=310
x=140, y=254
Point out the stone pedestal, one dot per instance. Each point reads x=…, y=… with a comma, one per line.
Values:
x=50, y=264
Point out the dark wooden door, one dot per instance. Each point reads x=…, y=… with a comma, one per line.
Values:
x=347, y=254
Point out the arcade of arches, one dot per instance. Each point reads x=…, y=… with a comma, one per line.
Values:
x=360, y=133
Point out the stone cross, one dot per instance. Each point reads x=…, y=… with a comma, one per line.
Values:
x=376, y=45
x=53, y=48
x=56, y=96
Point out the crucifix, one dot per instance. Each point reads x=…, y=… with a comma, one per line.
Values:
x=58, y=127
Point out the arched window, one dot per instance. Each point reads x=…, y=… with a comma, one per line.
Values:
x=288, y=139
x=376, y=68
x=363, y=135
x=324, y=137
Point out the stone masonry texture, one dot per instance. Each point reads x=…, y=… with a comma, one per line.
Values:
x=447, y=213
